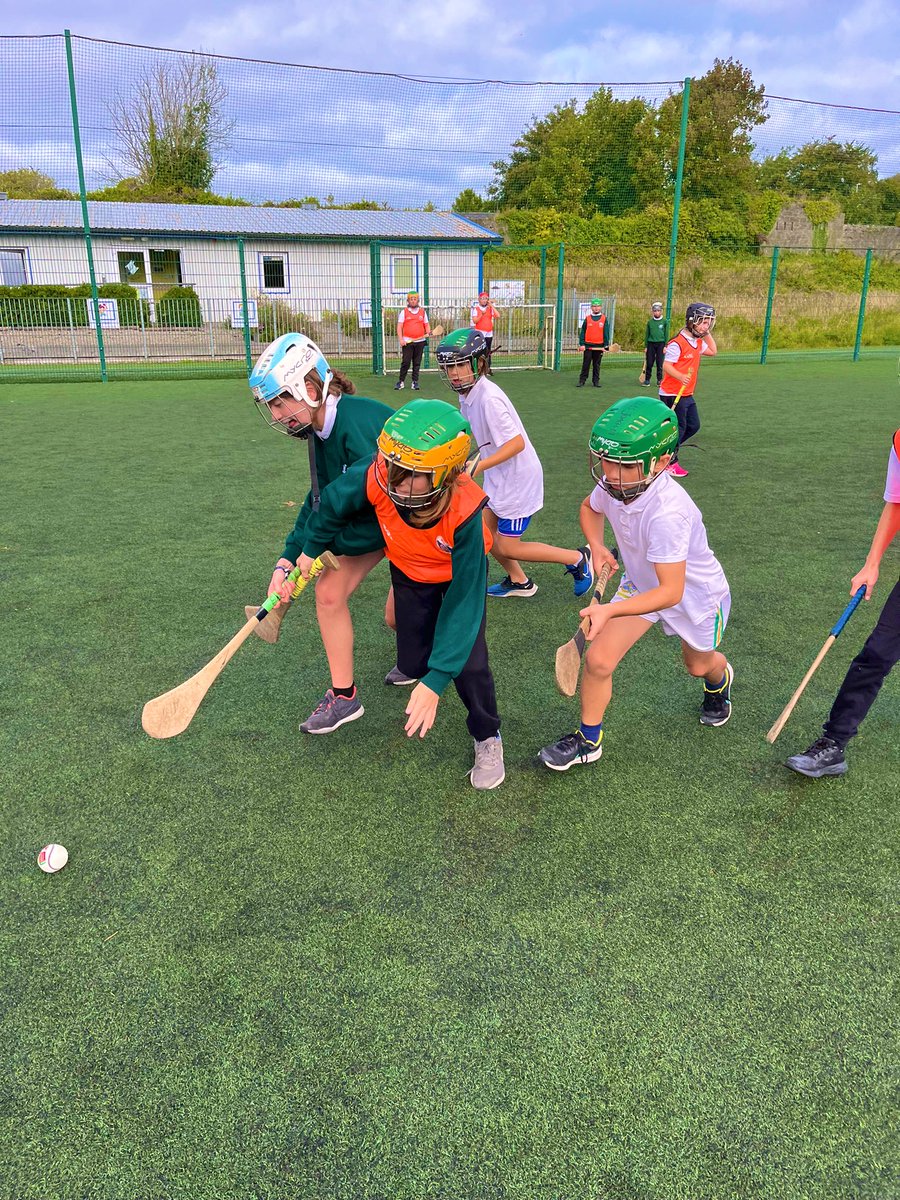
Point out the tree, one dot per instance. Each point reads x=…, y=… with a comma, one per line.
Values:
x=170, y=123
x=725, y=107
x=583, y=162
x=468, y=200
x=25, y=183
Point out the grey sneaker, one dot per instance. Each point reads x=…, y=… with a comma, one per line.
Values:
x=331, y=713
x=489, y=771
x=824, y=757
x=396, y=677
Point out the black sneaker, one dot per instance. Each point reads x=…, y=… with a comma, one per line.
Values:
x=716, y=708
x=581, y=383
x=572, y=748
x=824, y=757
x=508, y=588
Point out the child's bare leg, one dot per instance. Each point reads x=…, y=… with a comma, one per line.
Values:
x=603, y=656
x=390, y=612
x=706, y=664
x=333, y=589
x=535, y=551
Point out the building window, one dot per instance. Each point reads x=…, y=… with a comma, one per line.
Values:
x=13, y=268
x=165, y=267
x=404, y=273
x=274, y=273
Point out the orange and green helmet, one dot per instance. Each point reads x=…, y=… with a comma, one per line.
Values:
x=424, y=437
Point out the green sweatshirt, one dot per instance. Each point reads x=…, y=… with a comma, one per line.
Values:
x=345, y=500
x=657, y=330
x=354, y=435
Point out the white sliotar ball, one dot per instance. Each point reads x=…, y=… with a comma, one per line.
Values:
x=53, y=858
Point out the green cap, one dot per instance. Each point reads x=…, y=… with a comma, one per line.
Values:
x=596, y=300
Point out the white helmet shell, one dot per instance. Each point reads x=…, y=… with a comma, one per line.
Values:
x=283, y=367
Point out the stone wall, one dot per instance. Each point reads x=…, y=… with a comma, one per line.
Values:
x=794, y=231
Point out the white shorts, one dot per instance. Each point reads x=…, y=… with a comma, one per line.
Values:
x=704, y=633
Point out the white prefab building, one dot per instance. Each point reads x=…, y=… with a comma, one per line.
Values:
x=315, y=260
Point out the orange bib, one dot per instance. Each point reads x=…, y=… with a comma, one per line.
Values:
x=424, y=554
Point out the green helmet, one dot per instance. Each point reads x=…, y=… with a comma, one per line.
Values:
x=635, y=431
x=425, y=437
x=462, y=346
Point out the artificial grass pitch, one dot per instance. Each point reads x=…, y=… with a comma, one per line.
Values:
x=283, y=966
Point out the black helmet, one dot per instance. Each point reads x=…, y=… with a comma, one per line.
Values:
x=696, y=313
x=462, y=346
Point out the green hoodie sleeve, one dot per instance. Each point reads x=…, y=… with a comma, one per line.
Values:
x=462, y=607
x=581, y=341
x=343, y=499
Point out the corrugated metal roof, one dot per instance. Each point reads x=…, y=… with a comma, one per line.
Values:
x=238, y=220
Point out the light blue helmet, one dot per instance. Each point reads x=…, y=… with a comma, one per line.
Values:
x=282, y=369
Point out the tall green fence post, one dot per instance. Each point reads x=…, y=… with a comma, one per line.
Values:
x=375, y=275
x=542, y=300
x=557, y=333
x=676, y=207
x=769, y=303
x=88, y=245
x=862, y=304
x=246, y=322
x=426, y=300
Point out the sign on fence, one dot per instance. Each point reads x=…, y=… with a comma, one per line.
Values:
x=364, y=313
x=507, y=291
x=109, y=314
x=237, y=314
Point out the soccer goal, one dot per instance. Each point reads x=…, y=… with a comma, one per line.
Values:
x=523, y=335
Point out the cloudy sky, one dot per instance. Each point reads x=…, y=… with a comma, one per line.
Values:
x=313, y=133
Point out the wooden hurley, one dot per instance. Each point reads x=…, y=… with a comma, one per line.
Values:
x=170, y=714
x=569, y=656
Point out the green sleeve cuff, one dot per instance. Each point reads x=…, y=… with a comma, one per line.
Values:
x=437, y=681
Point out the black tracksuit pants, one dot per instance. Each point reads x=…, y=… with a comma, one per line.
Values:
x=591, y=362
x=867, y=673
x=654, y=358
x=412, y=357
x=417, y=606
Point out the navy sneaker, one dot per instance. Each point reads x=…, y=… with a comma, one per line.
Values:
x=398, y=387
x=415, y=386
x=716, y=709
x=583, y=572
x=332, y=712
x=508, y=588
x=396, y=678
x=572, y=748
x=824, y=757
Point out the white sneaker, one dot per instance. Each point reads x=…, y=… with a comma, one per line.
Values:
x=488, y=771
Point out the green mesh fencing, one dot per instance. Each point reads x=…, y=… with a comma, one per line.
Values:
x=230, y=201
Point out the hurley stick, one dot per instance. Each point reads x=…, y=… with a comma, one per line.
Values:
x=569, y=656
x=170, y=714
x=829, y=642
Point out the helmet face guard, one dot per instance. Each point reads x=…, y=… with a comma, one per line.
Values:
x=697, y=313
x=458, y=348
x=636, y=432
x=421, y=451
x=281, y=372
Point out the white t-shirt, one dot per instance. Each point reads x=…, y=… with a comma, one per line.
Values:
x=892, y=483
x=515, y=488
x=664, y=525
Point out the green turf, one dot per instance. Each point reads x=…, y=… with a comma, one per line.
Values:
x=280, y=966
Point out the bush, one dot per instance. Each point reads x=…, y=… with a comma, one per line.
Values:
x=275, y=317
x=179, y=307
x=52, y=306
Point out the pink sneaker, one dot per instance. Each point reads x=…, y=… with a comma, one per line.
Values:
x=677, y=470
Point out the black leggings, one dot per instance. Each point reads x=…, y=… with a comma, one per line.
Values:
x=417, y=607
x=867, y=673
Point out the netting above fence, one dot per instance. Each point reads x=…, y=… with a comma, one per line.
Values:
x=593, y=166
